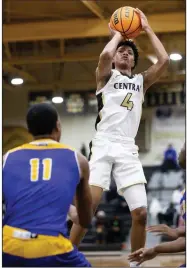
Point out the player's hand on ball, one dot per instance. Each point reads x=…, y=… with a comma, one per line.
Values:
x=144, y=21
x=142, y=255
x=163, y=229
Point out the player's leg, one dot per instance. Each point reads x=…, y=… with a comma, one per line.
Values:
x=77, y=232
x=136, y=199
x=100, y=170
x=130, y=180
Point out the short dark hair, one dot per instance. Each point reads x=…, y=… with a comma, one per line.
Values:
x=41, y=119
x=131, y=44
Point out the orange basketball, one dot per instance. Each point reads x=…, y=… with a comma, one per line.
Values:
x=126, y=21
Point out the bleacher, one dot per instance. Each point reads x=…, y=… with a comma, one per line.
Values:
x=111, y=210
x=169, y=181
x=160, y=185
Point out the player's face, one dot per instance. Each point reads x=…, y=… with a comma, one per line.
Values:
x=124, y=56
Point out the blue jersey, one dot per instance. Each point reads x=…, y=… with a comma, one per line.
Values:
x=39, y=184
x=183, y=205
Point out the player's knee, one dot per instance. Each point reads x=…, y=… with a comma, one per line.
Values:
x=139, y=215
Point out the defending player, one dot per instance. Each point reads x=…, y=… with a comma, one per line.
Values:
x=40, y=180
x=179, y=234
x=113, y=151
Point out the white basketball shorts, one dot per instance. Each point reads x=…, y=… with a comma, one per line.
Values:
x=117, y=158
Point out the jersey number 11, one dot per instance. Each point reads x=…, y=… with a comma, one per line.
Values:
x=35, y=166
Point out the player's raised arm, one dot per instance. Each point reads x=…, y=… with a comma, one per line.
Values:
x=156, y=70
x=103, y=71
x=83, y=194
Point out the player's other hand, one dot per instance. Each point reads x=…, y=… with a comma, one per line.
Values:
x=142, y=255
x=113, y=32
x=143, y=18
x=163, y=229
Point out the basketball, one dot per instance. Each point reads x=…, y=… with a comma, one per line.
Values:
x=126, y=21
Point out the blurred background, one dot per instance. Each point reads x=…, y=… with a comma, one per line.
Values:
x=50, y=53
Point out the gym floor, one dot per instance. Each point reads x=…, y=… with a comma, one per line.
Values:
x=119, y=259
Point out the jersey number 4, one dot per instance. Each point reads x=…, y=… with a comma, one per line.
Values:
x=127, y=102
x=46, y=169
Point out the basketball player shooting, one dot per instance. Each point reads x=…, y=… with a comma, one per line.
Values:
x=113, y=151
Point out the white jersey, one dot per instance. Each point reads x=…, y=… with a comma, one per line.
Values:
x=120, y=105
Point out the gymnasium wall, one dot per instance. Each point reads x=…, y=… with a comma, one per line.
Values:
x=14, y=136
x=80, y=129
x=165, y=131
x=15, y=105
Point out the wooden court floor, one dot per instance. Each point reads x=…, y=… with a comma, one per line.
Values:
x=100, y=259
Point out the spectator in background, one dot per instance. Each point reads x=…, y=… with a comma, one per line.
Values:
x=170, y=154
x=176, y=197
x=170, y=159
x=83, y=150
x=115, y=231
x=100, y=225
x=112, y=195
x=154, y=209
x=168, y=217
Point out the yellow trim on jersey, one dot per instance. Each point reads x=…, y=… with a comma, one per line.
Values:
x=41, y=147
x=41, y=246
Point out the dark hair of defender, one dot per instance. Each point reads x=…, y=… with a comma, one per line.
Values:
x=42, y=119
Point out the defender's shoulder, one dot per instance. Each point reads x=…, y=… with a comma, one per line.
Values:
x=63, y=146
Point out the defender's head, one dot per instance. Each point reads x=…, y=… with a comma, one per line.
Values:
x=43, y=121
x=126, y=55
